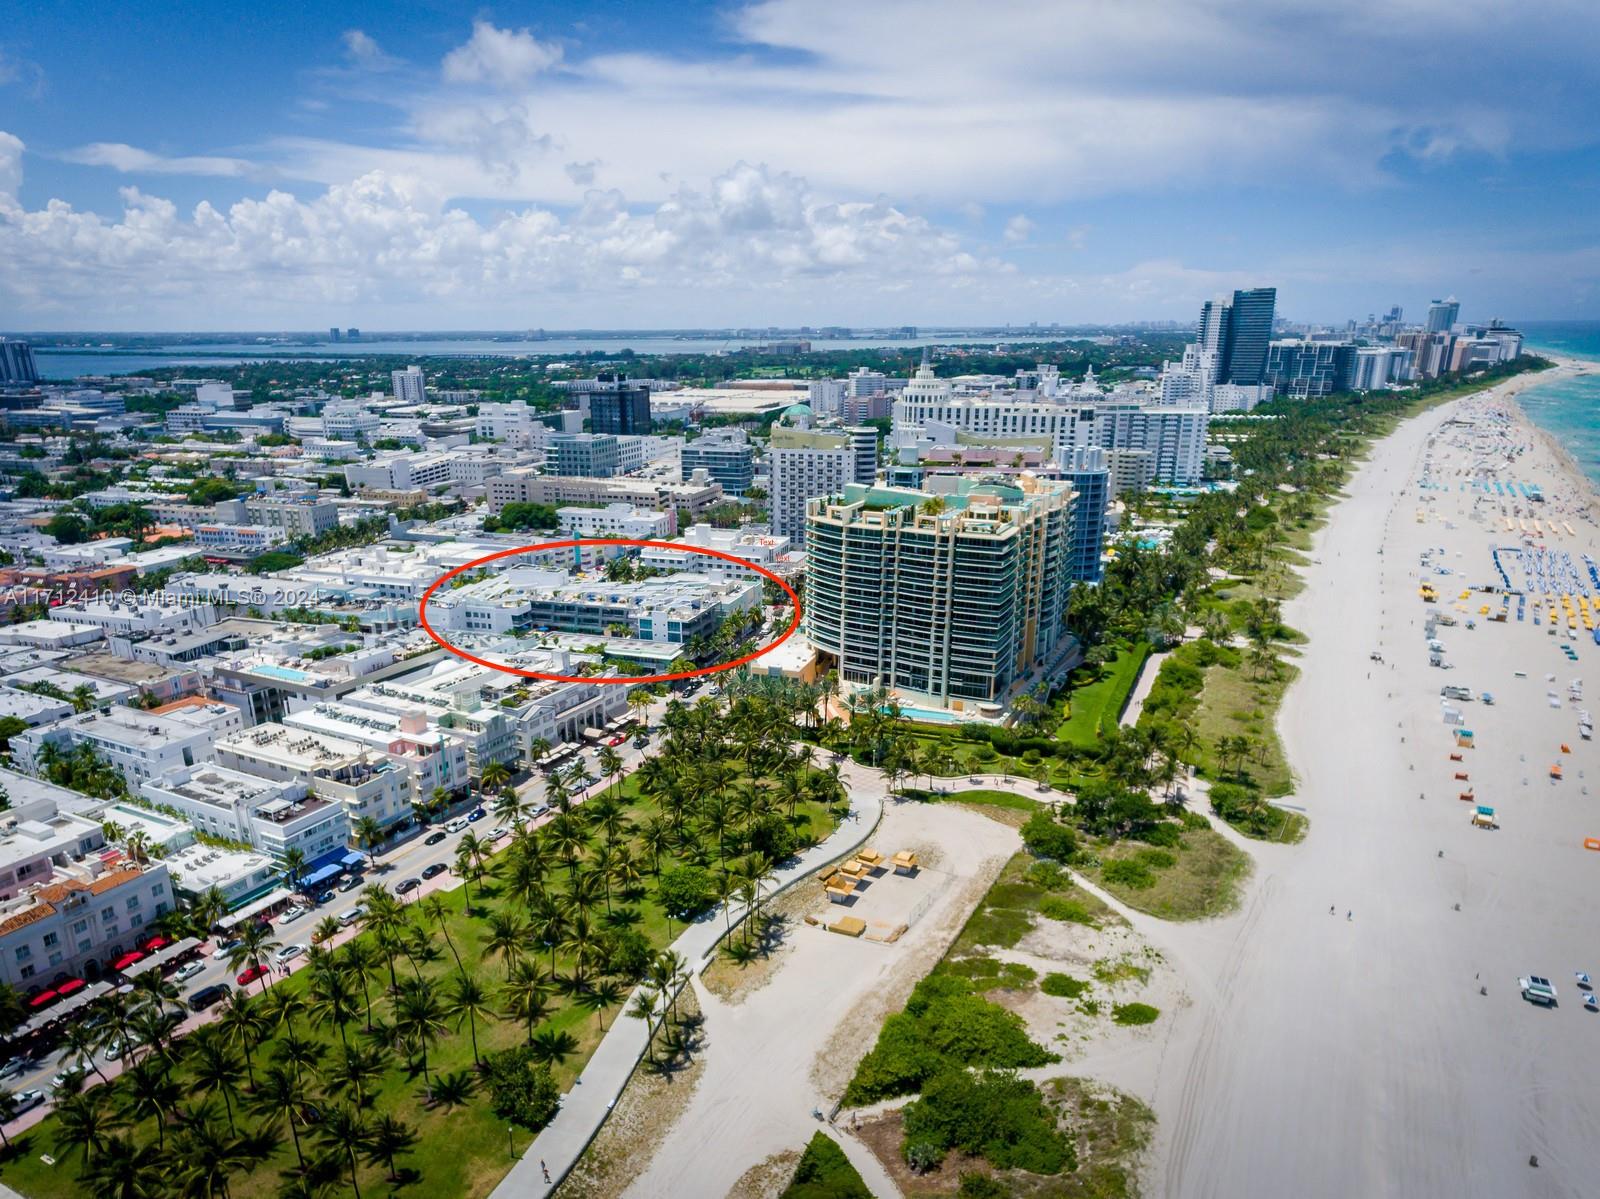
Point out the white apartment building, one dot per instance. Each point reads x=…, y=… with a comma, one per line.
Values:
x=803, y=464
x=79, y=919
x=366, y=781
x=765, y=550
x=1175, y=436
x=459, y=698
x=139, y=745
x=514, y=424
x=119, y=617
x=617, y=520
x=271, y=815
x=432, y=758
x=401, y=472
x=245, y=539
x=409, y=386
x=36, y=837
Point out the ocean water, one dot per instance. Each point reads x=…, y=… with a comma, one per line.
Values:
x=1569, y=410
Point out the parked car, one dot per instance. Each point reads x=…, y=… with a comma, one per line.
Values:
x=187, y=971
x=224, y=948
x=116, y=1047
x=207, y=996
x=351, y=883
x=323, y=897
x=26, y=1101
x=476, y=815
x=251, y=973
x=288, y=953
x=16, y=1066
x=407, y=885
x=434, y=838
x=69, y=1078
x=292, y=915
x=617, y=740
x=348, y=918
x=499, y=831
x=538, y=810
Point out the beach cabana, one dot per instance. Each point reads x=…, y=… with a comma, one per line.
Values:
x=904, y=862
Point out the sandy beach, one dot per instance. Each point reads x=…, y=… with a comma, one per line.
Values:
x=1326, y=1056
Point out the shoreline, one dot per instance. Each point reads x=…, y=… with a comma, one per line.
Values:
x=1333, y=1057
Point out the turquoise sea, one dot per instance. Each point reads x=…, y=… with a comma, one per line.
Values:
x=1568, y=410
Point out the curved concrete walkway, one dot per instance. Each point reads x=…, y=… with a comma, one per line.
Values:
x=585, y=1107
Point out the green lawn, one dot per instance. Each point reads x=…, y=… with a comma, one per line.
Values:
x=1096, y=702
x=977, y=795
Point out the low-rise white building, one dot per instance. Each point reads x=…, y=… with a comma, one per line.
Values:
x=138, y=745
x=367, y=782
x=434, y=759
x=272, y=815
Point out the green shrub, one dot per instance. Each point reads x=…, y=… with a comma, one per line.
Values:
x=1128, y=872
x=1157, y=859
x=1048, y=875
x=945, y=1025
x=995, y=1115
x=825, y=1173
x=685, y=891
x=1193, y=820
x=521, y=1090
x=1069, y=911
x=1046, y=837
x=1166, y=833
x=1063, y=985
x=981, y=1186
x=1134, y=1013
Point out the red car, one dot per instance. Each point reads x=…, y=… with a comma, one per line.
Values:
x=618, y=740
x=250, y=975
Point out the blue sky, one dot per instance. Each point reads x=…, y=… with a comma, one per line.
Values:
x=792, y=161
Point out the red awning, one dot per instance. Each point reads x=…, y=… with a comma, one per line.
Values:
x=71, y=987
x=44, y=997
x=127, y=960
x=156, y=942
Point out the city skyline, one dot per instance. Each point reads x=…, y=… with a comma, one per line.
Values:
x=789, y=164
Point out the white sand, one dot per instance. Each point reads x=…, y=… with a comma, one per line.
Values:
x=790, y=1046
x=1322, y=1057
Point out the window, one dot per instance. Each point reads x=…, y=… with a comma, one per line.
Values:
x=50, y=940
x=24, y=952
x=79, y=926
x=108, y=915
x=26, y=972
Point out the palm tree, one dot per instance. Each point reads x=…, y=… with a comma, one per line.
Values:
x=83, y=697
x=126, y=1170
x=644, y=1008
x=508, y=933
x=298, y=1052
x=327, y=929
x=527, y=995
x=388, y=1139
x=214, y=1065
x=294, y=864
x=255, y=945
x=466, y=1001
x=205, y=910
x=333, y=997
x=86, y=1121
x=354, y=1070
x=206, y=1157
x=149, y=1091
x=468, y=851
x=495, y=776
x=345, y=1130
x=602, y=994
x=369, y=835
x=80, y=1043
x=282, y=1096
x=420, y=1017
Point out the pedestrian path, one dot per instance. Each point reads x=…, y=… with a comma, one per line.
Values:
x=585, y=1107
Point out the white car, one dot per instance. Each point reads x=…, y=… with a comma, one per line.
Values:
x=15, y=1066
x=288, y=953
x=115, y=1048
x=187, y=971
x=28, y=1100
x=292, y=915
x=223, y=949
x=499, y=831
x=349, y=917
x=66, y=1078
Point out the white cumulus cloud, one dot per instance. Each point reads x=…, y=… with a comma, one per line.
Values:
x=505, y=57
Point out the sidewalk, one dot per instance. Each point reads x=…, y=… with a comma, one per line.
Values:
x=585, y=1107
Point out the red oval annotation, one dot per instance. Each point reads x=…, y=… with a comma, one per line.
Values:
x=794, y=603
